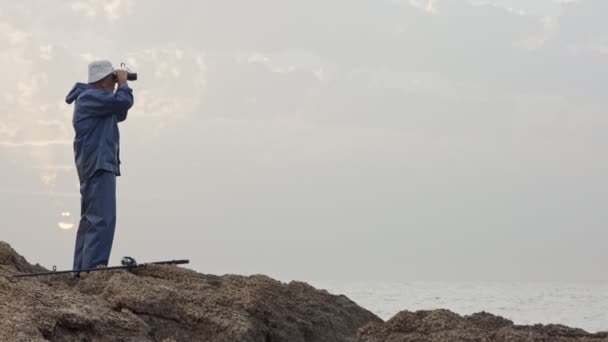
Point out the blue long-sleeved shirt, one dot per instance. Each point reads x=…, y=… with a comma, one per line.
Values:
x=96, y=116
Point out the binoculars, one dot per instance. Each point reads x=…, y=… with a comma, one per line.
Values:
x=131, y=76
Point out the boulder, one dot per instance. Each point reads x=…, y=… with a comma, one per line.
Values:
x=168, y=303
x=446, y=326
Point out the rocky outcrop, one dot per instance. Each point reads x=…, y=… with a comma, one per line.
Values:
x=446, y=326
x=11, y=262
x=168, y=303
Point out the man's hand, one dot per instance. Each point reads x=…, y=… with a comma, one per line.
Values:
x=121, y=77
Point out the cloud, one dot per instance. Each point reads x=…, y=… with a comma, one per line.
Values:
x=159, y=100
x=358, y=111
x=88, y=57
x=428, y=6
x=116, y=9
x=56, y=167
x=85, y=8
x=35, y=143
x=16, y=192
x=113, y=10
x=12, y=35
x=7, y=132
x=258, y=58
x=46, y=52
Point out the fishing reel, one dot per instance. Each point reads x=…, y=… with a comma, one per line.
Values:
x=128, y=261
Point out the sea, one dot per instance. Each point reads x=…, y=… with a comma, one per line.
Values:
x=579, y=305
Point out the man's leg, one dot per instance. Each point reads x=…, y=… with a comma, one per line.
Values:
x=83, y=226
x=101, y=214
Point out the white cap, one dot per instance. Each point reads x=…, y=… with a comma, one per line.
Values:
x=99, y=70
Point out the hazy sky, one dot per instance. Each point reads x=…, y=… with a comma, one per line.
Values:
x=342, y=139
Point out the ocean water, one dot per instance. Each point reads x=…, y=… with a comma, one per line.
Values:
x=580, y=305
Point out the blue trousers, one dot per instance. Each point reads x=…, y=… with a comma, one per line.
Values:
x=97, y=220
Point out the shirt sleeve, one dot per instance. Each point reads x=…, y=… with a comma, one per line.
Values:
x=102, y=103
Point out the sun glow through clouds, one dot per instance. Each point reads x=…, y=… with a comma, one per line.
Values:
x=65, y=225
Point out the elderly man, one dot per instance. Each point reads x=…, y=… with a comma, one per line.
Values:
x=99, y=107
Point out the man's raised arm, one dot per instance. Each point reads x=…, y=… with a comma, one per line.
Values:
x=99, y=103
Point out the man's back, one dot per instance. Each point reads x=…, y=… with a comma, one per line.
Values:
x=96, y=116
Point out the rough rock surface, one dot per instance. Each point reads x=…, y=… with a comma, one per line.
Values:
x=168, y=303
x=444, y=325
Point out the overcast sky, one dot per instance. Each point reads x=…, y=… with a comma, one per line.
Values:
x=342, y=139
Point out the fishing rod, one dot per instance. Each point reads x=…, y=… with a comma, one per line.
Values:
x=127, y=264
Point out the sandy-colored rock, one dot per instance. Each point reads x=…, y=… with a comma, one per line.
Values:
x=10, y=261
x=173, y=304
x=446, y=326
x=168, y=303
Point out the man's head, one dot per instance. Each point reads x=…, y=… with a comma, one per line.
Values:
x=101, y=75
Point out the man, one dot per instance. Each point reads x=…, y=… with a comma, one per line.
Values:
x=97, y=111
